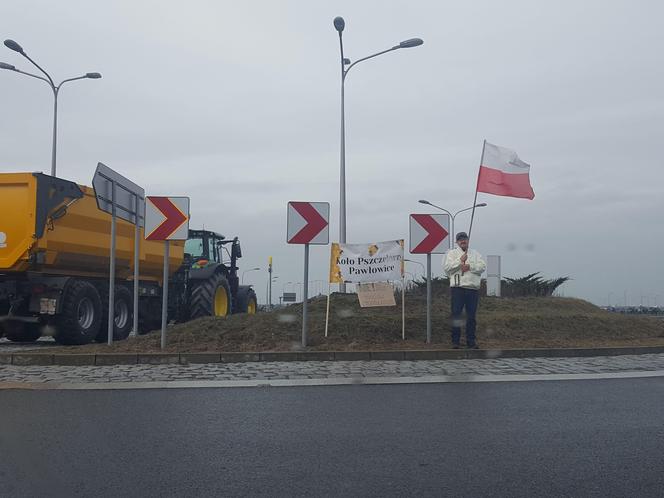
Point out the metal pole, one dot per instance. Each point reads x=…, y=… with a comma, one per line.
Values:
x=270, y=288
x=403, y=308
x=305, y=295
x=111, y=280
x=452, y=235
x=164, y=300
x=429, y=298
x=342, y=181
x=137, y=232
x=55, y=129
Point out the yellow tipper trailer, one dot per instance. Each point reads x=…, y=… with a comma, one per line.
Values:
x=54, y=264
x=54, y=227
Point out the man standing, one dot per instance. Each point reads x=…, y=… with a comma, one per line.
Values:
x=464, y=268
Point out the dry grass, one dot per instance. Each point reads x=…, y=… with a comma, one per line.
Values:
x=502, y=323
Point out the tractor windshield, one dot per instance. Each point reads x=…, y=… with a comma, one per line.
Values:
x=194, y=247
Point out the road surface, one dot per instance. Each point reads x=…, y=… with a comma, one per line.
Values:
x=573, y=438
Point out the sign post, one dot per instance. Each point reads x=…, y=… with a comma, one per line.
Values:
x=111, y=272
x=428, y=233
x=269, y=284
x=121, y=198
x=494, y=276
x=308, y=223
x=166, y=218
x=137, y=247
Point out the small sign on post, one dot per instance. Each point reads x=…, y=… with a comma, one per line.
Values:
x=308, y=223
x=428, y=235
x=122, y=198
x=166, y=218
x=289, y=297
x=493, y=276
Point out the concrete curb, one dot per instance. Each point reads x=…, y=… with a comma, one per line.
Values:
x=28, y=359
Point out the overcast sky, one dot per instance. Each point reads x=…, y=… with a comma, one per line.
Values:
x=236, y=104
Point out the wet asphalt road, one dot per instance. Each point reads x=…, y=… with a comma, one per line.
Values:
x=573, y=438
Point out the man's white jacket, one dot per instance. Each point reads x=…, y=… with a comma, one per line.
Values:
x=452, y=267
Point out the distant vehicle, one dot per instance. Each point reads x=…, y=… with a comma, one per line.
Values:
x=54, y=267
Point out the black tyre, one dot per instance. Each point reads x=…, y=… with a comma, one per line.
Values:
x=246, y=301
x=80, y=320
x=211, y=297
x=17, y=331
x=124, y=304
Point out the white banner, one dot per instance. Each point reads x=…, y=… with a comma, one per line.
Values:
x=361, y=263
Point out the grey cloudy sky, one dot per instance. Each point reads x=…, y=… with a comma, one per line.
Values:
x=236, y=104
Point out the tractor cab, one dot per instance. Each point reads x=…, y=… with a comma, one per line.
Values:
x=204, y=248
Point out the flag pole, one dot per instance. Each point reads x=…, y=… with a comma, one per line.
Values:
x=472, y=216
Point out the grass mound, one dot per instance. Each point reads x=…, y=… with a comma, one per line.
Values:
x=502, y=323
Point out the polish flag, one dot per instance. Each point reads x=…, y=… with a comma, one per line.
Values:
x=503, y=173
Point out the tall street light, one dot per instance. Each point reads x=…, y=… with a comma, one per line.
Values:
x=417, y=263
x=339, y=25
x=268, y=290
x=245, y=271
x=452, y=216
x=12, y=45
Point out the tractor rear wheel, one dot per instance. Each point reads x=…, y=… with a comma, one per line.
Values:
x=211, y=297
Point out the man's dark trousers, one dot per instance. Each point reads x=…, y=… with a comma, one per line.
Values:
x=464, y=298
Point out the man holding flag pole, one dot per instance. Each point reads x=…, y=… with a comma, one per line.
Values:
x=502, y=173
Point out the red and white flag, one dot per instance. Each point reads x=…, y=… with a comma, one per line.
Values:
x=503, y=173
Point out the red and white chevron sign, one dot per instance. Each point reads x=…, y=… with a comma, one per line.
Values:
x=166, y=218
x=308, y=223
x=428, y=233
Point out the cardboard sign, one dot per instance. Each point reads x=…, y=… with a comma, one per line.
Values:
x=376, y=294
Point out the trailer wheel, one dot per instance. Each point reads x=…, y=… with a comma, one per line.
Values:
x=211, y=297
x=246, y=301
x=80, y=319
x=17, y=331
x=124, y=303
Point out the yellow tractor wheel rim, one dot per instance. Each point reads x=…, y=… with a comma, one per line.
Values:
x=220, y=302
x=251, y=307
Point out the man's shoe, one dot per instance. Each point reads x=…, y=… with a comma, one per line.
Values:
x=472, y=346
x=455, y=345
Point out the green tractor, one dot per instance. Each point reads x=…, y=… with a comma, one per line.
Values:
x=212, y=284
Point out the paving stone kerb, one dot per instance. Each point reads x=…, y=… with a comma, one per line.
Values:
x=242, y=357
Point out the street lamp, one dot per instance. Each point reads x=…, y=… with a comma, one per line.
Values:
x=268, y=291
x=417, y=263
x=452, y=216
x=339, y=25
x=245, y=271
x=12, y=45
